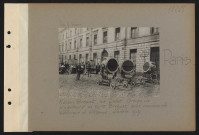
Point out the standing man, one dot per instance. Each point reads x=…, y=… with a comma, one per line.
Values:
x=67, y=67
x=85, y=72
x=97, y=68
x=83, y=67
x=78, y=71
x=89, y=69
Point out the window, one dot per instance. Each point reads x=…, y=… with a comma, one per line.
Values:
x=133, y=53
x=69, y=56
x=70, y=33
x=80, y=55
x=80, y=58
x=66, y=34
x=105, y=37
x=65, y=58
x=154, y=30
x=75, y=30
x=80, y=43
x=70, y=46
x=95, y=57
x=133, y=32
x=95, y=39
x=86, y=57
x=62, y=46
x=74, y=57
x=65, y=46
x=75, y=44
x=117, y=33
x=87, y=41
x=62, y=58
x=116, y=55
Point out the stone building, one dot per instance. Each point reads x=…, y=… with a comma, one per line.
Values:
x=140, y=44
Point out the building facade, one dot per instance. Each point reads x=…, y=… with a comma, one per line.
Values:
x=140, y=44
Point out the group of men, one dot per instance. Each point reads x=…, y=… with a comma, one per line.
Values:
x=86, y=69
x=81, y=68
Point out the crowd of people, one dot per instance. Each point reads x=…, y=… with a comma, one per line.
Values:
x=80, y=68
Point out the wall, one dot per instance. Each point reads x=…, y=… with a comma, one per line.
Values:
x=142, y=41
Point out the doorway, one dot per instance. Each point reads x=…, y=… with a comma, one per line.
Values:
x=155, y=56
x=104, y=55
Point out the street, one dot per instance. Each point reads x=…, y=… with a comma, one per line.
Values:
x=86, y=87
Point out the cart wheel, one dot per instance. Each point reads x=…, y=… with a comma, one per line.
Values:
x=118, y=80
x=98, y=82
x=143, y=82
x=113, y=85
x=133, y=84
x=125, y=85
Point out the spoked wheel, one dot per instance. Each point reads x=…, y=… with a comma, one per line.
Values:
x=133, y=83
x=113, y=85
x=98, y=82
x=118, y=80
x=125, y=84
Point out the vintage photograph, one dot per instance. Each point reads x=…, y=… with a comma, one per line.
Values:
x=98, y=68
x=124, y=59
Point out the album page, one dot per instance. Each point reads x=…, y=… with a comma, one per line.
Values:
x=15, y=67
x=109, y=67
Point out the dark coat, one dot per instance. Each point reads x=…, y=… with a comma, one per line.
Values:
x=79, y=69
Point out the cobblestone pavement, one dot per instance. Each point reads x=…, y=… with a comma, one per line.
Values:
x=87, y=87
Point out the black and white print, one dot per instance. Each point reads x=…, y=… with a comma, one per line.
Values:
x=96, y=62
